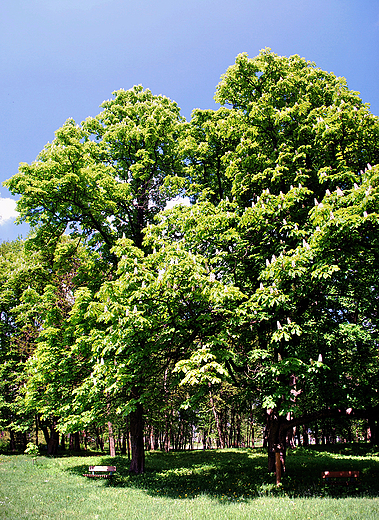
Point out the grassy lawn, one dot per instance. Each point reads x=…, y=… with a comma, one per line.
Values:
x=228, y=484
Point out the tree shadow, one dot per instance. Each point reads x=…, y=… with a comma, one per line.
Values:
x=229, y=475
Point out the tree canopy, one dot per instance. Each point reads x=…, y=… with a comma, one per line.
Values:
x=267, y=282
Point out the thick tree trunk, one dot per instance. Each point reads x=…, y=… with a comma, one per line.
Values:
x=137, y=464
x=52, y=446
x=276, y=428
x=46, y=434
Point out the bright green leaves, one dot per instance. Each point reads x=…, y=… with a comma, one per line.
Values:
x=267, y=282
x=295, y=122
x=201, y=368
x=102, y=179
x=205, y=146
x=137, y=138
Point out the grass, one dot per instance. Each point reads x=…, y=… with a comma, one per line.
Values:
x=225, y=484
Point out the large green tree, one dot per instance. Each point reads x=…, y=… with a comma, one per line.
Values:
x=268, y=281
x=295, y=230
x=103, y=179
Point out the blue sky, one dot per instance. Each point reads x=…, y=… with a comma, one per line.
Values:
x=62, y=58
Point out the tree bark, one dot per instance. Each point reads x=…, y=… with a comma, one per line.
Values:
x=112, y=447
x=276, y=428
x=217, y=421
x=52, y=445
x=37, y=442
x=12, y=440
x=77, y=441
x=137, y=464
x=46, y=434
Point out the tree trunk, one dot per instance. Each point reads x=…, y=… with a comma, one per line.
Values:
x=52, y=446
x=37, y=442
x=137, y=464
x=12, y=440
x=276, y=439
x=217, y=421
x=77, y=441
x=305, y=436
x=45, y=434
x=374, y=438
x=123, y=443
x=112, y=448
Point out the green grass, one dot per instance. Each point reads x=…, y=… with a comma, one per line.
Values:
x=228, y=484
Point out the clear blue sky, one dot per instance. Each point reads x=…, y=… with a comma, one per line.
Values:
x=62, y=58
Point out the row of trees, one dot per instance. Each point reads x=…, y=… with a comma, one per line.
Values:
x=266, y=284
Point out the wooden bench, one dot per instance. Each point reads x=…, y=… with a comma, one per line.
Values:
x=340, y=477
x=100, y=471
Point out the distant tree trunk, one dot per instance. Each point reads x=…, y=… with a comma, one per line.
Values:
x=317, y=439
x=289, y=441
x=305, y=436
x=12, y=440
x=298, y=438
x=128, y=444
x=374, y=438
x=24, y=441
x=76, y=441
x=52, y=446
x=123, y=443
x=252, y=431
x=238, y=439
x=37, y=430
x=204, y=440
x=215, y=415
x=231, y=430
x=99, y=440
x=137, y=464
x=112, y=448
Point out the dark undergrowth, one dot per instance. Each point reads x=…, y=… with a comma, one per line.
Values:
x=243, y=473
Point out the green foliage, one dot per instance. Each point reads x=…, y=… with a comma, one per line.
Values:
x=31, y=449
x=268, y=282
x=101, y=179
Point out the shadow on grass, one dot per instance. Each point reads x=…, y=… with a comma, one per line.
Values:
x=241, y=474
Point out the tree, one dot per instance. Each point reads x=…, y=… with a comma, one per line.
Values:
x=57, y=365
x=261, y=283
x=102, y=180
x=303, y=216
x=22, y=274
x=146, y=319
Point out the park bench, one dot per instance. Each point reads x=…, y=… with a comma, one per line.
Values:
x=100, y=471
x=340, y=477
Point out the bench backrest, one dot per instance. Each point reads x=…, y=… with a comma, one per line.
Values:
x=102, y=468
x=342, y=474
